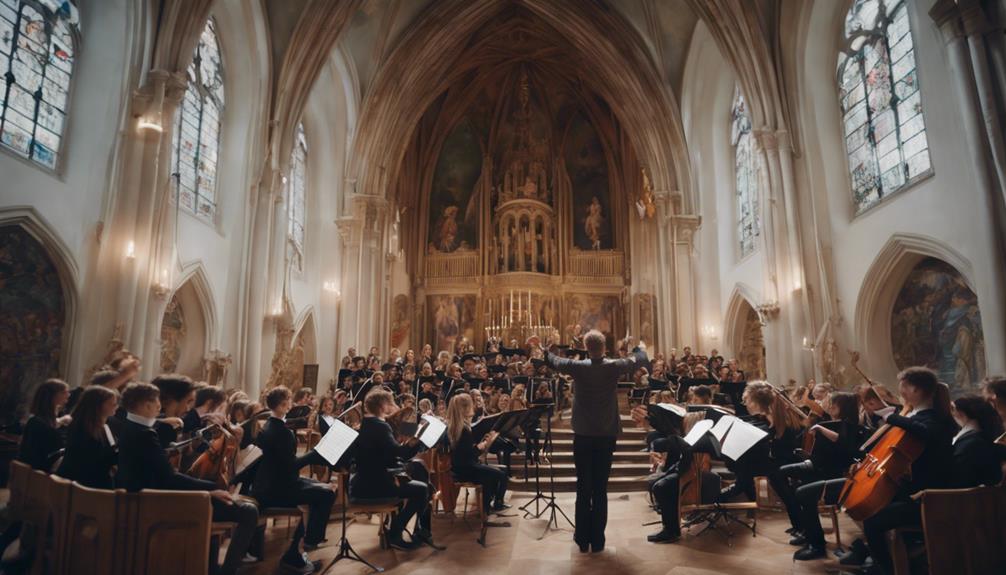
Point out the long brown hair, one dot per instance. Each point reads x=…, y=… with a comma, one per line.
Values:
x=87, y=413
x=779, y=414
x=43, y=403
x=847, y=404
x=457, y=416
x=975, y=407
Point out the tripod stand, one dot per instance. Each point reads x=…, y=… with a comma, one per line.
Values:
x=346, y=550
x=532, y=451
x=552, y=506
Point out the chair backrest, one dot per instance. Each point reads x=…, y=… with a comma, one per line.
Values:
x=94, y=543
x=35, y=516
x=964, y=530
x=60, y=495
x=170, y=532
x=19, y=474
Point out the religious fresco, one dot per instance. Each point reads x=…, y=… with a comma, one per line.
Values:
x=600, y=312
x=646, y=307
x=400, y=320
x=452, y=317
x=454, y=207
x=172, y=335
x=588, y=175
x=936, y=322
x=32, y=322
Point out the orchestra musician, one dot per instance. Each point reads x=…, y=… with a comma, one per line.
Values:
x=90, y=447
x=665, y=487
x=466, y=451
x=378, y=458
x=178, y=394
x=143, y=464
x=277, y=481
x=42, y=439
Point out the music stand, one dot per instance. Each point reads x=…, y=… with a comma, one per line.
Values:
x=531, y=417
x=552, y=506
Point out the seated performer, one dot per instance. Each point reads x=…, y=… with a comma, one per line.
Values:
x=666, y=486
x=466, y=450
x=42, y=439
x=378, y=460
x=975, y=460
x=143, y=464
x=277, y=481
x=178, y=394
x=90, y=447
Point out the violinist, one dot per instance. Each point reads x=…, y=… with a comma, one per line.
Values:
x=178, y=394
x=378, y=456
x=42, y=439
x=929, y=421
x=143, y=464
x=326, y=414
x=425, y=407
x=770, y=413
x=90, y=446
x=466, y=450
x=208, y=401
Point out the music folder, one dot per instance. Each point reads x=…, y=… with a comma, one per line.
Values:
x=431, y=429
x=665, y=417
x=336, y=442
x=738, y=436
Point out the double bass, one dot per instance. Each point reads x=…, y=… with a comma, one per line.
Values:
x=872, y=483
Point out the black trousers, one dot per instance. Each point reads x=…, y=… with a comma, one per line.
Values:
x=899, y=513
x=665, y=490
x=319, y=500
x=785, y=483
x=493, y=480
x=592, y=459
x=807, y=497
x=417, y=502
x=417, y=471
x=246, y=517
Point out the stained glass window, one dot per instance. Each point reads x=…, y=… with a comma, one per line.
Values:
x=197, y=128
x=747, y=164
x=885, y=134
x=37, y=49
x=296, y=199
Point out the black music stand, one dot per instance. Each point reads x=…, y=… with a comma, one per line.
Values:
x=531, y=418
x=551, y=505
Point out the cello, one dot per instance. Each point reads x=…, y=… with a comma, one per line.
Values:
x=872, y=483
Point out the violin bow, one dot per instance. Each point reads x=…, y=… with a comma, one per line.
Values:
x=854, y=361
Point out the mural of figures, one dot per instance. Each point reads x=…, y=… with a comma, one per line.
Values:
x=172, y=335
x=600, y=312
x=453, y=205
x=647, y=318
x=32, y=320
x=452, y=317
x=588, y=175
x=936, y=322
x=400, y=320
x=752, y=353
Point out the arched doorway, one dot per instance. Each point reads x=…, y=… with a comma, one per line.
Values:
x=183, y=333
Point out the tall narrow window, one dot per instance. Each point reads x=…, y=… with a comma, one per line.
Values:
x=197, y=129
x=747, y=164
x=885, y=135
x=37, y=48
x=297, y=199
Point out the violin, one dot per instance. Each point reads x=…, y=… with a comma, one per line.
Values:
x=872, y=483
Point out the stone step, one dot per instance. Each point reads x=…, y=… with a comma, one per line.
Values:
x=620, y=469
x=568, y=485
x=622, y=444
x=566, y=456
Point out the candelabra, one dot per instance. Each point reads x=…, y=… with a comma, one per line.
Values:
x=517, y=322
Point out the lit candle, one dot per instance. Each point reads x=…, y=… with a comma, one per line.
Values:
x=511, y=302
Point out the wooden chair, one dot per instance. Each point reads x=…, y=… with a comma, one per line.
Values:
x=35, y=516
x=17, y=483
x=964, y=530
x=383, y=508
x=274, y=513
x=94, y=545
x=60, y=496
x=483, y=520
x=169, y=532
x=832, y=512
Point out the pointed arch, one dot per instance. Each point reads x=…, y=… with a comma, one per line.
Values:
x=304, y=327
x=194, y=274
x=742, y=297
x=881, y=285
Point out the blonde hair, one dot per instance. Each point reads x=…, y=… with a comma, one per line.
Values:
x=457, y=416
x=594, y=342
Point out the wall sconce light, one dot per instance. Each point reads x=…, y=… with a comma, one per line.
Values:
x=152, y=122
x=797, y=284
x=709, y=332
x=284, y=180
x=331, y=287
x=808, y=345
x=130, y=250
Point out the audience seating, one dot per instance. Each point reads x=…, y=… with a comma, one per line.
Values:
x=60, y=496
x=964, y=530
x=170, y=531
x=94, y=544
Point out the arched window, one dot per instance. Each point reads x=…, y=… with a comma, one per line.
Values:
x=747, y=163
x=297, y=199
x=885, y=135
x=36, y=62
x=197, y=129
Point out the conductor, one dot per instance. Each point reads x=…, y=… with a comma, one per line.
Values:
x=596, y=424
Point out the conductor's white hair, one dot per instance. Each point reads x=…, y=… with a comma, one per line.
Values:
x=594, y=342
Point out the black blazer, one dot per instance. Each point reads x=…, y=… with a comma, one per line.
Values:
x=975, y=462
x=40, y=443
x=377, y=451
x=143, y=464
x=278, y=470
x=931, y=469
x=464, y=454
x=88, y=460
x=679, y=453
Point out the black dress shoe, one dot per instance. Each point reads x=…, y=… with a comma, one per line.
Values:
x=664, y=536
x=583, y=547
x=396, y=542
x=792, y=531
x=810, y=552
x=798, y=540
x=858, y=552
x=728, y=493
x=500, y=507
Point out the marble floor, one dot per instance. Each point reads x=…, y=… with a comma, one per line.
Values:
x=518, y=549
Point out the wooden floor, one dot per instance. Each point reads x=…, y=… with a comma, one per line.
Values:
x=518, y=550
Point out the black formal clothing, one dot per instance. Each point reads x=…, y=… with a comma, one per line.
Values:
x=88, y=460
x=166, y=433
x=278, y=483
x=666, y=485
x=592, y=457
x=191, y=421
x=378, y=455
x=807, y=497
x=40, y=444
x=143, y=464
x=975, y=462
x=465, y=466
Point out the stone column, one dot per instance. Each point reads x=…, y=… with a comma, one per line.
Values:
x=362, y=234
x=665, y=292
x=683, y=230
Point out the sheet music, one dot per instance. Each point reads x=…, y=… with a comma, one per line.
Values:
x=722, y=426
x=108, y=435
x=329, y=420
x=335, y=443
x=674, y=408
x=247, y=456
x=698, y=430
x=433, y=431
x=742, y=437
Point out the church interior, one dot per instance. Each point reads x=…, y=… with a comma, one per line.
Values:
x=254, y=231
